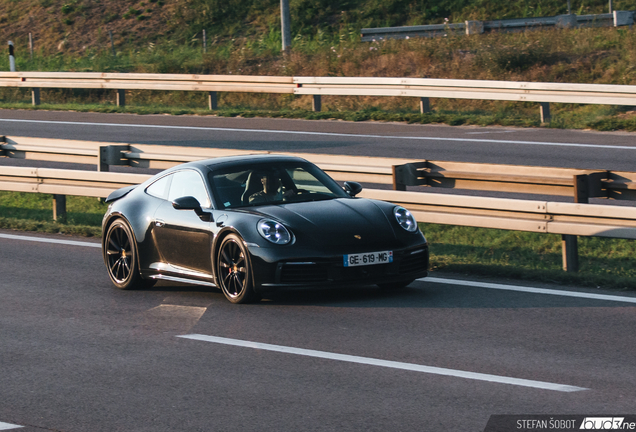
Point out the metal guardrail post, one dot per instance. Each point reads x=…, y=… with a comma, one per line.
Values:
x=111, y=155
x=398, y=183
x=59, y=208
x=570, y=242
x=425, y=105
x=623, y=18
x=35, y=96
x=212, y=101
x=285, y=24
x=474, y=27
x=121, y=98
x=566, y=21
x=545, y=112
x=11, y=57
x=316, y=103
x=570, y=246
x=408, y=175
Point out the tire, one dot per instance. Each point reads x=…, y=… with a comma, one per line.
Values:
x=234, y=273
x=395, y=285
x=120, y=256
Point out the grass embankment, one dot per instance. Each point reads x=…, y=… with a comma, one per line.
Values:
x=244, y=40
x=606, y=263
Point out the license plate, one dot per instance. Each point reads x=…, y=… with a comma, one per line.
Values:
x=369, y=258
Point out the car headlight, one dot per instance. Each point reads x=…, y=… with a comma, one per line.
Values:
x=273, y=231
x=405, y=219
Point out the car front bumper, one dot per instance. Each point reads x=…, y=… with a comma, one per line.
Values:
x=269, y=274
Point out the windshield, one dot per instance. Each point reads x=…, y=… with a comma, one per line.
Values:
x=273, y=183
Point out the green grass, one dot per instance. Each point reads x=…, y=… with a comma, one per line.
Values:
x=34, y=212
x=600, y=56
x=604, y=263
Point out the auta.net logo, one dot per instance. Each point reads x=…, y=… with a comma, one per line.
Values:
x=606, y=423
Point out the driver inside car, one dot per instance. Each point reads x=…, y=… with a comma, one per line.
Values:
x=272, y=190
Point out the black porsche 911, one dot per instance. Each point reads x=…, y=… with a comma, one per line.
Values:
x=252, y=224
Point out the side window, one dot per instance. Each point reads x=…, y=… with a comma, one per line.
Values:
x=159, y=188
x=188, y=183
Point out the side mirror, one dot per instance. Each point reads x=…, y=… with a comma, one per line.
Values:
x=191, y=203
x=352, y=188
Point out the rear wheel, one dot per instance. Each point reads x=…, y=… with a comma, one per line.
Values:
x=120, y=255
x=233, y=270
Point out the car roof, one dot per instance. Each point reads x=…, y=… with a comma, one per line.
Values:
x=228, y=161
x=224, y=162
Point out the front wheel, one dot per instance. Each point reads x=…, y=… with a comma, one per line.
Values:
x=233, y=270
x=120, y=255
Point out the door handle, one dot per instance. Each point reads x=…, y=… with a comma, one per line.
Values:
x=220, y=221
x=159, y=223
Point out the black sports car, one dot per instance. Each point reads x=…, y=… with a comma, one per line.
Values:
x=252, y=224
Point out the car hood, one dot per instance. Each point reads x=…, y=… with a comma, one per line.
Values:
x=335, y=222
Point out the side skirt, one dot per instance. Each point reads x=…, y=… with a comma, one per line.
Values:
x=183, y=280
x=181, y=274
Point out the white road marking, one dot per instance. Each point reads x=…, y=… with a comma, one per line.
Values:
x=490, y=132
x=49, y=240
x=387, y=363
x=7, y=426
x=332, y=134
x=591, y=296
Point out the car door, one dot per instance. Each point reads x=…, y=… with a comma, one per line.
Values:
x=182, y=238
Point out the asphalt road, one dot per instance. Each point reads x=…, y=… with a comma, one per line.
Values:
x=519, y=146
x=76, y=354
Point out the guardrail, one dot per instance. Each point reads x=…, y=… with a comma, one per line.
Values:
x=501, y=213
x=544, y=93
x=568, y=219
x=400, y=173
x=139, y=81
x=61, y=182
x=423, y=88
x=104, y=155
x=66, y=182
x=577, y=183
x=614, y=19
x=513, y=214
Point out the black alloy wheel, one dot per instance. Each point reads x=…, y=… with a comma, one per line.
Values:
x=233, y=270
x=120, y=255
